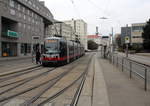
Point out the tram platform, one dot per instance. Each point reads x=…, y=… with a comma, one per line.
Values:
x=112, y=87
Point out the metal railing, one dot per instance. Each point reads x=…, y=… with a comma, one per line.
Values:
x=133, y=67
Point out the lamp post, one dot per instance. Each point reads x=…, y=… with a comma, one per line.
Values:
x=103, y=48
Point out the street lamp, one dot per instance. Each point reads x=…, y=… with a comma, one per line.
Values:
x=103, y=18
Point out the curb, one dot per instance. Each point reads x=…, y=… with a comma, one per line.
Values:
x=13, y=58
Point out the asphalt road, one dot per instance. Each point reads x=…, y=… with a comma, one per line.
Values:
x=135, y=67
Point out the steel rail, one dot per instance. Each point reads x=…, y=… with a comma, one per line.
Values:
x=61, y=91
x=20, y=74
x=25, y=81
x=19, y=71
x=79, y=89
x=30, y=89
x=33, y=99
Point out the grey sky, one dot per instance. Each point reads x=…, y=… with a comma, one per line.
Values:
x=118, y=12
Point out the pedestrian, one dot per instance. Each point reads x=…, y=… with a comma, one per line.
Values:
x=38, y=55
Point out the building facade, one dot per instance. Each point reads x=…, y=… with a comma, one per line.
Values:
x=80, y=28
x=24, y=24
x=125, y=31
x=137, y=30
x=61, y=29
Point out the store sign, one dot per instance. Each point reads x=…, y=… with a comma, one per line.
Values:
x=12, y=34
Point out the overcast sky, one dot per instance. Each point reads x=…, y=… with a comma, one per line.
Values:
x=118, y=12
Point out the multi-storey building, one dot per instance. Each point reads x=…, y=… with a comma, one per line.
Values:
x=136, y=33
x=24, y=23
x=61, y=29
x=80, y=28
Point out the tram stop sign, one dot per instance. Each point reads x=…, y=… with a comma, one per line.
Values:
x=127, y=39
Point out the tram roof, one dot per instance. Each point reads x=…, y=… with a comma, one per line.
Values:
x=54, y=38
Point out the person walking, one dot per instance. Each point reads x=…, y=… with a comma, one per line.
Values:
x=38, y=55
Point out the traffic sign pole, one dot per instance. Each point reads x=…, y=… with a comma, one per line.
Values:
x=127, y=41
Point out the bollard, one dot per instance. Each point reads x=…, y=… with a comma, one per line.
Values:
x=122, y=64
x=130, y=69
x=145, y=79
x=117, y=61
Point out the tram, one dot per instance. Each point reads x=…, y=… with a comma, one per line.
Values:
x=57, y=50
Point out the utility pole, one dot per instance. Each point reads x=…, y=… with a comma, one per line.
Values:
x=112, y=45
x=127, y=40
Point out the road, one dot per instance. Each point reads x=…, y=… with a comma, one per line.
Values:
x=142, y=59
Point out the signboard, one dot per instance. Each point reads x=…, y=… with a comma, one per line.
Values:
x=35, y=37
x=12, y=34
x=127, y=39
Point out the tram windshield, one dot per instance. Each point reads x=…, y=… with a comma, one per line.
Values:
x=51, y=46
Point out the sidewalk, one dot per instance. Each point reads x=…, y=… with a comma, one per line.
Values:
x=121, y=90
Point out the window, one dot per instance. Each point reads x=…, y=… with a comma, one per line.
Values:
x=29, y=27
x=24, y=26
x=29, y=19
x=19, y=7
x=19, y=14
x=12, y=12
x=19, y=25
x=137, y=36
x=32, y=14
x=12, y=3
x=28, y=48
x=28, y=12
x=30, y=2
x=24, y=17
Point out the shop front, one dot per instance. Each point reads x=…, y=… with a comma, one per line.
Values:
x=9, y=49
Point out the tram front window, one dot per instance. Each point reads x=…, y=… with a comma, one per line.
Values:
x=51, y=47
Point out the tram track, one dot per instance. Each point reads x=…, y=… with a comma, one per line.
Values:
x=24, y=81
x=43, y=86
x=27, y=90
x=14, y=74
x=35, y=97
x=81, y=77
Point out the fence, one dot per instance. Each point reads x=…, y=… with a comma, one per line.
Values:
x=133, y=67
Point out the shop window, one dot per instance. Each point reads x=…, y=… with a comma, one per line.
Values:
x=28, y=48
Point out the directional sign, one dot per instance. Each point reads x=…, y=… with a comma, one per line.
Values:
x=127, y=39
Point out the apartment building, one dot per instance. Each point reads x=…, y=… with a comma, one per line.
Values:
x=24, y=24
x=80, y=28
x=137, y=30
x=61, y=29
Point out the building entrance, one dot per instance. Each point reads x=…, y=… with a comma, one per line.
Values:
x=9, y=49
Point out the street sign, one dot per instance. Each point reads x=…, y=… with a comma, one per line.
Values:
x=127, y=39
